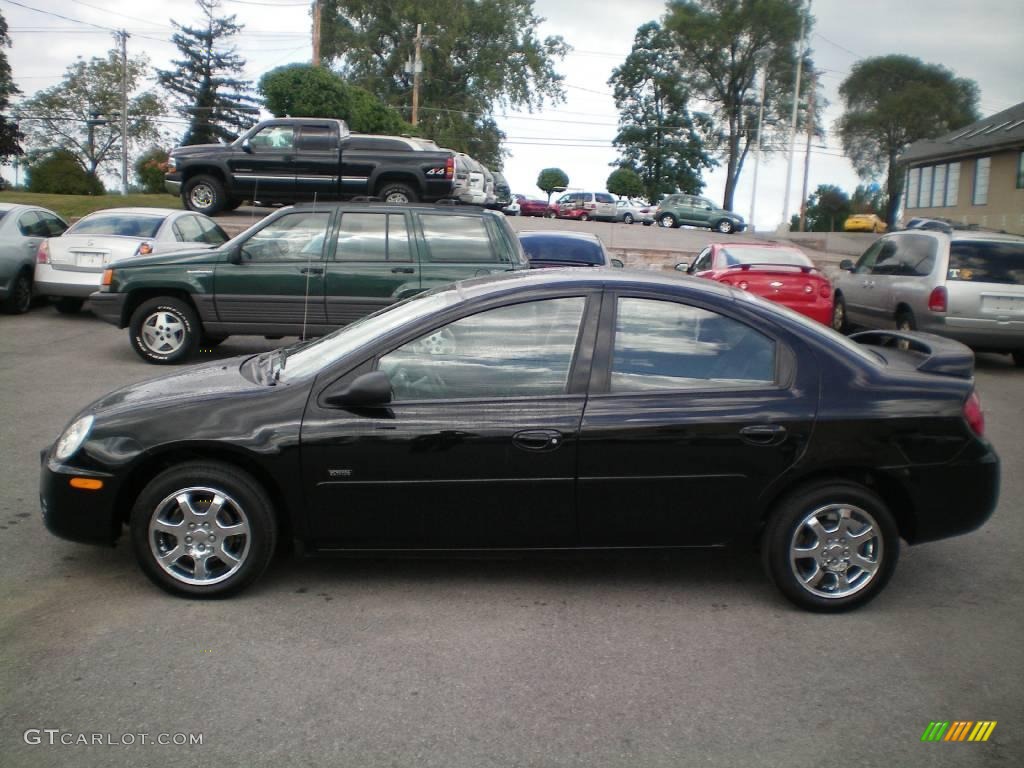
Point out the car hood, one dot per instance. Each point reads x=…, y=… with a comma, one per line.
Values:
x=197, y=149
x=202, y=255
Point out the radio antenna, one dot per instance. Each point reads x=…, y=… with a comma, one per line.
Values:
x=309, y=271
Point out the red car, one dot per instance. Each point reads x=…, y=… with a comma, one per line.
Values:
x=528, y=207
x=776, y=272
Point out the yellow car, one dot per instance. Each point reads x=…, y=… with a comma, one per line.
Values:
x=864, y=222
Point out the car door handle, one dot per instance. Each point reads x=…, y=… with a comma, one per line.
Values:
x=312, y=271
x=537, y=439
x=763, y=434
x=402, y=270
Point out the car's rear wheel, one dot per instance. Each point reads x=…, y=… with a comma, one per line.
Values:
x=839, y=314
x=395, y=192
x=725, y=227
x=165, y=330
x=19, y=300
x=204, y=194
x=831, y=546
x=69, y=305
x=203, y=529
x=627, y=218
x=667, y=220
x=584, y=217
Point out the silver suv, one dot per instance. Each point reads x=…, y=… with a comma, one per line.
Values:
x=966, y=285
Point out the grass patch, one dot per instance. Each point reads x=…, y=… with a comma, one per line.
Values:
x=73, y=207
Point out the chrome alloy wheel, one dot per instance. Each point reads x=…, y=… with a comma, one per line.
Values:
x=202, y=196
x=836, y=550
x=163, y=332
x=199, y=536
x=396, y=197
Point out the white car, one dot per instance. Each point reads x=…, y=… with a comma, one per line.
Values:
x=70, y=267
x=476, y=194
x=628, y=211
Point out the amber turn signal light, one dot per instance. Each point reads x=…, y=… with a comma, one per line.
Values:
x=108, y=277
x=86, y=483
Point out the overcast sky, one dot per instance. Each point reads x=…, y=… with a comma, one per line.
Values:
x=982, y=41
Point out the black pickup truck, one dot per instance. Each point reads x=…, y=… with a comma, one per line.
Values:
x=291, y=160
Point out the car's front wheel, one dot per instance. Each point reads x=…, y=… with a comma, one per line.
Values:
x=204, y=194
x=667, y=220
x=165, y=330
x=627, y=218
x=725, y=226
x=831, y=546
x=203, y=529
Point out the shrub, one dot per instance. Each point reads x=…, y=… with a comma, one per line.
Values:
x=59, y=173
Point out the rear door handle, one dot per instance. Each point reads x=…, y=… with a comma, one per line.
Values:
x=764, y=434
x=312, y=270
x=537, y=439
x=402, y=270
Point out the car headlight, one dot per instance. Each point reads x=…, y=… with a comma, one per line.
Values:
x=172, y=164
x=73, y=438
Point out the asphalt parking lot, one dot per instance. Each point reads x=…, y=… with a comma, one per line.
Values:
x=642, y=661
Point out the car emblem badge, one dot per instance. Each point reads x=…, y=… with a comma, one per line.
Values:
x=90, y=243
x=775, y=284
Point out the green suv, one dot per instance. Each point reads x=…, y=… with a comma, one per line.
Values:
x=694, y=211
x=302, y=271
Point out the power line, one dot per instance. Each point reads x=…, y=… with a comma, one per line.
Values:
x=121, y=15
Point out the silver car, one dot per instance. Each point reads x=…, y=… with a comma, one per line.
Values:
x=628, y=211
x=966, y=285
x=70, y=267
x=23, y=228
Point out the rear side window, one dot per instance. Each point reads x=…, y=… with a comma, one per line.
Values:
x=986, y=262
x=569, y=250
x=317, y=138
x=187, y=229
x=457, y=239
x=603, y=197
x=373, y=237
x=54, y=226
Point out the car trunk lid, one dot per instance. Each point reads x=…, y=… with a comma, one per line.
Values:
x=924, y=352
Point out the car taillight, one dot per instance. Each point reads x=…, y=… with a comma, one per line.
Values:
x=144, y=249
x=938, y=299
x=743, y=285
x=974, y=415
x=43, y=253
x=108, y=277
x=449, y=168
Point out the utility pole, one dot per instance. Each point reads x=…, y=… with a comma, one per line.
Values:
x=414, y=67
x=123, y=35
x=757, y=149
x=316, y=33
x=807, y=154
x=792, y=128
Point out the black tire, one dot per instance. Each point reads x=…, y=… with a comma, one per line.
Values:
x=585, y=217
x=1018, y=359
x=786, y=532
x=667, y=221
x=165, y=330
x=396, y=192
x=725, y=227
x=244, y=501
x=839, y=323
x=627, y=218
x=550, y=215
x=69, y=305
x=19, y=300
x=204, y=194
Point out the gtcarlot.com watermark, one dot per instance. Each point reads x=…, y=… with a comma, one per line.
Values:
x=56, y=737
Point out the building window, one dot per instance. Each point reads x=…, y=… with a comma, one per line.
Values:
x=926, y=186
x=1020, y=171
x=939, y=186
x=913, y=180
x=953, y=185
x=981, y=168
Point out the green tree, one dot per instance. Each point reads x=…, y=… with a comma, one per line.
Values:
x=657, y=136
x=10, y=136
x=551, y=180
x=869, y=198
x=150, y=169
x=478, y=56
x=625, y=182
x=302, y=90
x=827, y=209
x=82, y=113
x=60, y=173
x=205, y=83
x=723, y=48
x=893, y=101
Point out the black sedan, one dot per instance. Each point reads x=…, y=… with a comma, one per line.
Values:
x=551, y=409
x=565, y=249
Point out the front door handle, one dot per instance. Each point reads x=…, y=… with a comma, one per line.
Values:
x=402, y=270
x=312, y=270
x=537, y=439
x=763, y=434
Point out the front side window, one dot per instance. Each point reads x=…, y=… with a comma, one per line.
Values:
x=662, y=345
x=293, y=237
x=887, y=261
x=524, y=350
x=867, y=262
x=29, y=224
x=981, y=169
x=274, y=137
x=703, y=261
x=373, y=237
x=457, y=239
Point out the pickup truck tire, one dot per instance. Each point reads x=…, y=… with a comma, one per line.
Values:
x=204, y=194
x=165, y=330
x=396, y=192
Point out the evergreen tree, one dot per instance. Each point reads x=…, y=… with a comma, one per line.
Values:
x=9, y=133
x=205, y=81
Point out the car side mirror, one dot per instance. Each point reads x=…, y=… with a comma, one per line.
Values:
x=683, y=266
x=370, y=390
x=246, y=146
x=617, y=263
x=235, y=256
x=847, y=265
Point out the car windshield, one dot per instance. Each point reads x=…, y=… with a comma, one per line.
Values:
x=741, y=254
x=122, y=225
x=570, y=250
x=987, y=262
x=312, y=358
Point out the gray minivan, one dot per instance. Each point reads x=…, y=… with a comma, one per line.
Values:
x=965, y=285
